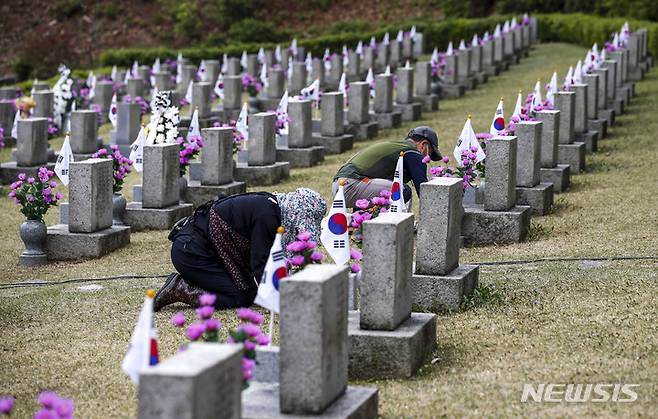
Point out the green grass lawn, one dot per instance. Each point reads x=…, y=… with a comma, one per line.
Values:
x=555, y=322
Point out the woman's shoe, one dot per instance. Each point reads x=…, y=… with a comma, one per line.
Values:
x=176, y=290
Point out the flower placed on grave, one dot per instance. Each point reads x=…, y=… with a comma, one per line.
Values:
x=304, y=252
x=24, y=104
x=35, y=196
x=251, y=85
x=121, y=165
x=6, y=405
x=54, y=406
x=469, y=169
x=367, y=210
x=178, y=319
x=189, y=149
x=2, y=136
x=164, y=120
x=144, y=106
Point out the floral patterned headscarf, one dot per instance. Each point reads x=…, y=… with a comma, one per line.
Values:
x=301, y=210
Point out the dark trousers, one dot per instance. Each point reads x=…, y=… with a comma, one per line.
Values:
x=208, y=273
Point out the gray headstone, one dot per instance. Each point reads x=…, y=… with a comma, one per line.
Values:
x=129, y=120
x=318, y=71
x=517, y=34
x=275, y=83
x=419, y=44
x=7, y=115
x=8, y=92
x=526, y=36
x=336, y=70
x=408, y=48
x=285, y=54
x=528, y=153
x=508, y=43
x=44, y=104
x=464, y=64
x=549, y=136
x=202, y=382
x=423, y=78
x=233, y=67
x=354, y=64
x=450, y=70
x=313, y=311
x=187, y=75
x=162, y=81
x=217, y=156
x=580, y=115
x=103, y=97
x=612, y=78
x=622, y=65
x=396, y=53
x=201, y=92
x=40, y=85
x=300, y=114
x=32, y=142
x=269, y=58
x=262, y=139
x=592, y=82
x=252, y=64
x=565, y=102
x=232, y=92
x=301, y=53
x=90, y=195
x=84, y=131
x=500, y=193
x=160, y=176
x=212, y=71
x=298, y=79
x=358, y=103
x=333, y=114
x=383, y=93
x=387, y=268
x=476, y=59
x=405, y=92
x=498, y=46
x=602, y=96
x=368, y=58
x=144, y=73
x=135, y=87
x=383, y=56
x=488, y=53
x=439, y=226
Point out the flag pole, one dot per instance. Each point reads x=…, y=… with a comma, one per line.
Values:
x=271, y=328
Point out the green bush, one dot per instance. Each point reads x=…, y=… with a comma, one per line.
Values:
x=68, y=8
x=252, y=30
x=108, y=10
x=636, y=9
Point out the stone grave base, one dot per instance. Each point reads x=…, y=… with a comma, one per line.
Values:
x=444, y=291
x=539, y=197
x=198, y=194
x=481, y=77
x=504, y=65
x=599, y=125
x=261, y=401
x=626, y=92
x=430, y=103
x=140, y=218
x=608, y=115
x=300, y=157
x=449, y=90
x=559, y=176
x=636, y=74
x=52, y=156
x=63, y=245
x=334, y=145
x=363, y=132
x=409, y=111
x=492, y=70
x=573, y=155
x=481, y=227
x=388, y=120
x=591, y=140
x=267, y=364
x=619, y=105
x=395, y=353
x=262, y=175
x=9, y=171
x=469, y=82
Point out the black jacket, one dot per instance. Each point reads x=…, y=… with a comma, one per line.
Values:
x=255, y=216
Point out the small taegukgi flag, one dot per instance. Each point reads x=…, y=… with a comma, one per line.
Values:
x=519, y=105
x=188, y=92
x=309, y=62
x=578, y=73
x=335, y=236
x=466, y=142
x=113, y=73
x=397, y=195
x=113, y=112
x=346, y=56
x=64, y=160
x=496, y=33
x=370, y=79
x=342, y=86
x=475, y=41
x=91, y=84
x=243, y=60
x=311, y=91
x=551, y=89
x=498, y=122
x=462, y=45
x=219, y=86
x=143, y=348
x=400, y=36
x=195, y=130
x=261, y=56
x=263, y=76
x=536, y=97
x=282, y=113
x=435, y=57
x=179, y=68
x=137, y=150
x=568, y=79
x=275, y=270
x=224, y=68
x=386, y=40
x=449, y=51
x=293, y=47
x=242, y=124
x=277, y=53
x=359, y=49
x=202, y=72
x=135, y=69
x=14, y=127
x=326, y=59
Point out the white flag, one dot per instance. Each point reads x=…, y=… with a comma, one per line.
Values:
x=113, y=74
x=519, y=105
x=577, y=73
x=412, y=32
x=243, y=60
x=263, y=76
x=64, y=159
x=346, y=56
x=386, y=39
x=615, y=41
x=496, y=33
x=335, y=235
x=435, y=57
x=156, y=65
x=397, y=190
x=407, y=64
x=277, y=53
x=219, y=86
x=126, y=77
x=568, y=79
x=513, y=24
x=275, y=270
x=326, y=59
x=137, y=150
x=311, y=91
x=373, y=42
x=224, y=68
x=188, y=92
x=135, y=69
x=202, y=72
x=342, y=85
x=467, y=139
x=359, y=49
x=143, y=348
x=309, y=63
x=551, y=90
x=91, y=84
x=462, y=45
x=475, y=40
x=261, y=56
x=242, y=124
x=14, y=127
x=449, y=51
x=113, y=113
x=282, y=113
x=370, y=79
x=498, y=122
x=179, y=68
x=506, y=26
x=387, y=72
x=536, y=97
x=289, y=73
x=194, y=130
x=293, y=47
x=400, y=36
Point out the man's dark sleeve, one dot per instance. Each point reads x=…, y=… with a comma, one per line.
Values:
x=415, y=168
x=262, y=236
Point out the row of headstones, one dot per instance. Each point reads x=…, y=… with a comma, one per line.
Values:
x=525, y=170
x=384, y=339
